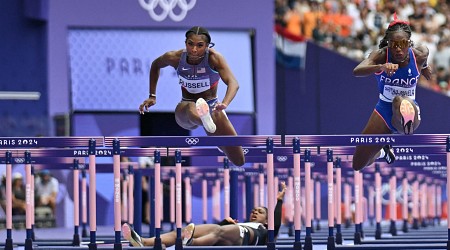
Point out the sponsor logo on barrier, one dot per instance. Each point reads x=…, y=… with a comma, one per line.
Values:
x=192, y=141
x=19, y=160
x=116, y=190
x=167, y=8
x=282, y=158
x=297, y=188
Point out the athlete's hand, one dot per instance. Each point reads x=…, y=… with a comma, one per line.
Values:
x=147, y=104
x=389, y=68
x=231, y=220
x=282, y=192
x=220, y=106
x=426, y=72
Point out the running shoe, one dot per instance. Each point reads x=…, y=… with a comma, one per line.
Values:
x=203, y=112
x=389, y=155
x=130, y=235
x=408, y=113
x=188, y=234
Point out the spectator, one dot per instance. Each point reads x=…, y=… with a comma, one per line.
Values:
x=281, y=9
x=3, y=192
x=442, y=57
x=46, y=189
x=294, y=22
x=442, y=79
x=18, y=195
x=311, y=18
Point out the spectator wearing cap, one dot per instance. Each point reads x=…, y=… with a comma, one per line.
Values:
x=46, y=189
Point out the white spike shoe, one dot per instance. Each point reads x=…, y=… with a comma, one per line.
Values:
x=203, y=112
x=130, y=235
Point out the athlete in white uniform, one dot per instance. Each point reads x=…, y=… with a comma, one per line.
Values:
x=199, y=68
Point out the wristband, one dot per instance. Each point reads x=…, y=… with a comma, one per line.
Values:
x=151, y=95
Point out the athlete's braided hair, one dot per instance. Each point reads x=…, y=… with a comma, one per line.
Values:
x=396, y=25
x=197, y=30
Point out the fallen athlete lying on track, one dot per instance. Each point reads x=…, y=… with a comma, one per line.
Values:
x=226, y=233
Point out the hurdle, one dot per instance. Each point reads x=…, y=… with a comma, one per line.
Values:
x=32, y=142
x=435, y=144
x=181, y=141
x=431, y=144
x=81, y=147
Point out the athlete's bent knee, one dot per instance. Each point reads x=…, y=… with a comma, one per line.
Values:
x=239, y=161
x=358, y=163
x=358, y=167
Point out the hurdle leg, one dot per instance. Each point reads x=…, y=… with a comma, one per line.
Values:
x=338, y=202
x=92, y=196
x=297, y=193
x=415, y=208
x=377, y=201
x=309, y=191
x=84, y=233
x=117, y=195
x=9, y=241
x=76, y=204
x=393, y=203
x=29, y=209
x=448, y=189
x=318, y=203
x=357, y=235
x=330, y=242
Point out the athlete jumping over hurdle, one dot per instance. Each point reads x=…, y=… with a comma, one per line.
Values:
x=199, y=69
x=227, y=233
x=397, y=65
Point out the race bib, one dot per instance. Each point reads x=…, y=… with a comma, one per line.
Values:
x=390, y=92
x=195, y=86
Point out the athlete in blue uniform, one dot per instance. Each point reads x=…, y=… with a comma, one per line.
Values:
x=199, y=69
x=397, y=66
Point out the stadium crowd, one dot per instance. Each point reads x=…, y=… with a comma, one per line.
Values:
x=354, y=28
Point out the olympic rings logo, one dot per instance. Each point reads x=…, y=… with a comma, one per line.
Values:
x=282, y=158
x=245, y=151
x=192, y=141
x=19, y=160
x=167, y=7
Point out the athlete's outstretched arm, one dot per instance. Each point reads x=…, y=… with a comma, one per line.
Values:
x=170, y=58
x=422, y=53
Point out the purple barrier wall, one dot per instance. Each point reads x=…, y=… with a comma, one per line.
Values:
x=325, y=98
x=23, y=52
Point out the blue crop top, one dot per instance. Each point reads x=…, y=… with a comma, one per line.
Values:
x=402, y=83
x=196, y=78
